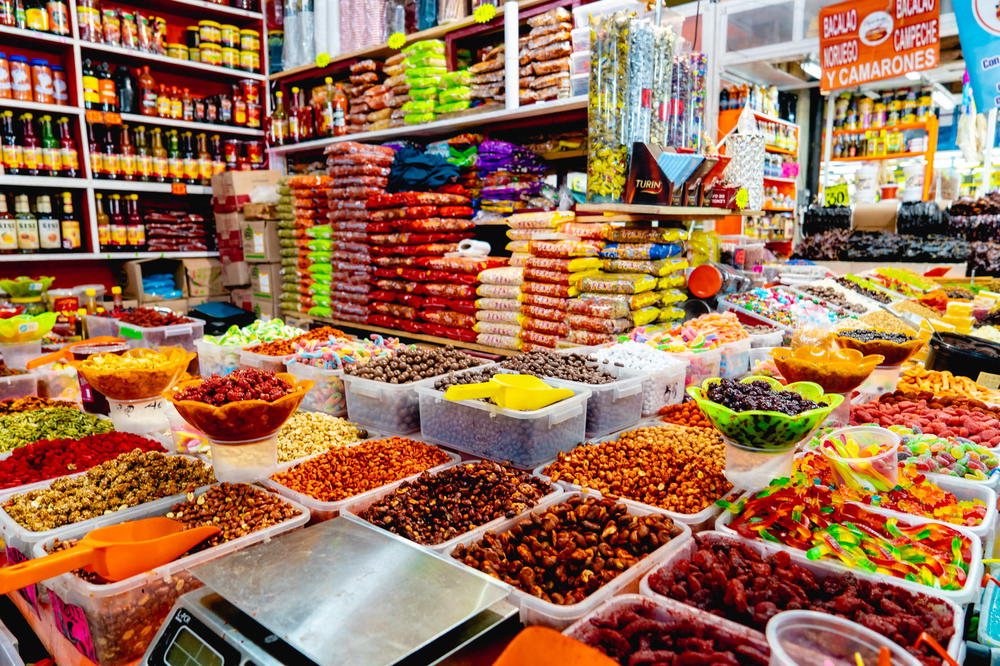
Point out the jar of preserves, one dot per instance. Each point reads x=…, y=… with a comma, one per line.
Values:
x=41, y=82
x=211, y=54
x=210, y=32
x=20, y=78
x=230, y=36
x=230, y=58
x=249, y=40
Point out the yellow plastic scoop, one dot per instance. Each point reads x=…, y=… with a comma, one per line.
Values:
x=524, y=393
x=115, y=553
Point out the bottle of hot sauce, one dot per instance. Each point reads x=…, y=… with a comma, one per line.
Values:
x=69, y=158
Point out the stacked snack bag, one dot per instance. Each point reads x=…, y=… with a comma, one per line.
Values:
x=544, y=57
x=303, y=205
x=424, y=66
x=357, y=171
x=512, y=178
x=294, y=259
x=498, y=310
x=399, y=88
x=454, y=93
x=487, y=77
x=368, y=97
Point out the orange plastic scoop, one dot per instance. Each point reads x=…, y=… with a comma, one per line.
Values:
x=114, y=553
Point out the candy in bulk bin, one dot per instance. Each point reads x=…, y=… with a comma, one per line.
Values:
x=664, y=374
x=862, y=457
x=837, y=371
x=240, y=414
x=220, y=354
x=762, y=422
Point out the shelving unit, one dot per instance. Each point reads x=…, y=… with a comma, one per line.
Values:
x=70, y=51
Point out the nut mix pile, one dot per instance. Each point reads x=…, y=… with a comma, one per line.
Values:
x=437, y=507
x=308, y=433
x=31, y=403
x=833, y=297
x=570, y=550
x=733, y=581
x=411, y=364
x=671, y=467
x=20, y=428
x=686, y=414
x=570, y=367
x=346, y=472
x=758, y=395
x=49, y=458
x=129, y=480
x=291, y=345
x=150, y=318
x=241, y=384
x=10, y=372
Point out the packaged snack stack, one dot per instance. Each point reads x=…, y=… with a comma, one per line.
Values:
x=641, y=284
x=454, y=94
x=295, y=262
x=399, y=88
x=366, y=93
x=357, y=171
x=312, y=254
x=175, y=231
x=498, y=310
x=424, y=66
x=463, y=152
x=486, y=78
x=512, y=178
x=552, y=276
x=416, y=288
x=544, y=57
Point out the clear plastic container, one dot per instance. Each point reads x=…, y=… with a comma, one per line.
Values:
x=354, y=510
x=774, y=339
x=98, y=327
x=581, y=39
x=809, y=637
x=660, y=387
x=734, y=358
x=752, y=317
x=60, y=383
x=701, y=365
x=882, y=380
x=114, y=623
x=579, y=84
x=504, y=435
x=143, y=416
x=186, y=438
x=17, y=355
x=18, y=386
x=660, y=610
x=758, y=355
x=968, y=593
x=579, y=61
x=750, y=467
x=537, y=611
x=216, y=359
x=820, y=569
x=175, y=335
x=249, y=359
x=327, y=393
x=321, y=510
x=877, y=473
x=8, y=648
x=585, y=14
x=245, y=461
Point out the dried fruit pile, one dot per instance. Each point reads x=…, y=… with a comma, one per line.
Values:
x=241, y=384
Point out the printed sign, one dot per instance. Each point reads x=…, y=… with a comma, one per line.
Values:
x=836, y=195
x=979, y=32
x=870, y=40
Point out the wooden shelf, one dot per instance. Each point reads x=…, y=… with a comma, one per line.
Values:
x=33, y=38
x=157, y=121
x=200, y=9
x=676, y=212
x=381, y=330
x=888, y=128
x=85, y=256
x=768, y=209
x=871, y=158
x=773, y=119
x=783, y=151
x=775, y=179
x=174, y=63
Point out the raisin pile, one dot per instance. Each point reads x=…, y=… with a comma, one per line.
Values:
x=746, y=396
x=870, y=335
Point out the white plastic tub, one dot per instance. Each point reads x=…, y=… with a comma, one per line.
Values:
x=354, y=510
x=522, y=438
x=321, y=510
x=216, y=359
x=101, y=326
x=773, y=339
x=821, y=569
x=798, y=637
x=175, y=335
x=117, y=621
x=579, y=61
x=537, y=611
x=17, y=354
x=249, y=359
x=327, y=393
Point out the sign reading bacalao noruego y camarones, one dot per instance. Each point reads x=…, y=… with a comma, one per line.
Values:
x=870, y=40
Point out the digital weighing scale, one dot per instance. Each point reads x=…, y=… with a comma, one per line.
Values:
x=340, y=592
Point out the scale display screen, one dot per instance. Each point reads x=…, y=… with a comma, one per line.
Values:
x=189, y=650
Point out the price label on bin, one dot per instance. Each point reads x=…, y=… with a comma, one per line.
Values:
x=836, y=195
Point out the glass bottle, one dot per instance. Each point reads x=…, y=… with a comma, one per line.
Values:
x=69, y=225
x=49, y=237
x=107, y=89
x=161, y=164
x=13, y=153
x=31, y=148
x=143, y=158
x=129, y=164
x=147, y=92
x=119, y=231
x=110, y=155
x=190, y=157
x=339, y=111
x=91, y=87
x=239, y=107
x=103, y=223
x=116, y=295
x=204, y=159
x=176, y=105
x=187, y=105
x=135, y=229
x=279, y=120
x=163, y=102
x=8, y=228
x=175, y=162
x=69, y=158
x=51, y=159
x=27, y=225
x=294, y=131
x=218, y=159
x=125, y=89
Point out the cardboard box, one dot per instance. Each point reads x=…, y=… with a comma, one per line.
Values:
x=266, y=308
x=241, y=298
x=260, y=211
x=176, y=304
x=204, y=277
x=265, y=280
x=137, y=269
x=260, y=241
x=231, y=189
x=879, y=216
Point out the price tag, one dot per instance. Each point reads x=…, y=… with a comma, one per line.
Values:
x=836, y=195
x=178, y=188
x=322, y=59
x=484, y=13
x=130, y=333
x=742, y=198
x=397, y=40
x=989, y=380
x=112, y=118
x=95, y=117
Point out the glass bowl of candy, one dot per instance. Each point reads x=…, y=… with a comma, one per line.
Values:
x=837, y=371
x=134, y=374
x=896, y=348
x=759, y=412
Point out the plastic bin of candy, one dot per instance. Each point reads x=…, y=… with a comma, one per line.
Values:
x=216, y=359
x=175, y=335
x=534, y=610
x=821, y=569
x=18, y=354
x=249, y=359
x=773, y=339
x=524, y=438
x=354, y=510
x=751, y=317
x=18, y=386
x=662, y=610
x=321, y=510
x=393, y=409
x=701, y=365
x=967, y=594
x=98, y=327
x=734, y=358
x=664, y=386
x=121, y=618
x=327, y=393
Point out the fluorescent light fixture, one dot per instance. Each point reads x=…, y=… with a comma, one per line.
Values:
x=942, y=97
x=913, y=76
x=871, y=94
x=811, y=67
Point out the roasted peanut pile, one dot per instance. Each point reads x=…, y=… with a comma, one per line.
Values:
x=237, y=509
x=568, y=551
x=672, y=467
x=345, y=472
x=309, y=433
x=129, y=480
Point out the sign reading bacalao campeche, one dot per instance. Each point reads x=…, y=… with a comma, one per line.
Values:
x=871, y=40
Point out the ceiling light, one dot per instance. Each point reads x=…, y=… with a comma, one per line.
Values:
x=943, y=97
x=913, y=76
x=811, y=67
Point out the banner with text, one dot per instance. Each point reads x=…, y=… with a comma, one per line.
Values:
x=979, y=32
x=870, y=40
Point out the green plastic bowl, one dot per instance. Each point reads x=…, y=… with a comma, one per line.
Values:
x=763, y=429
